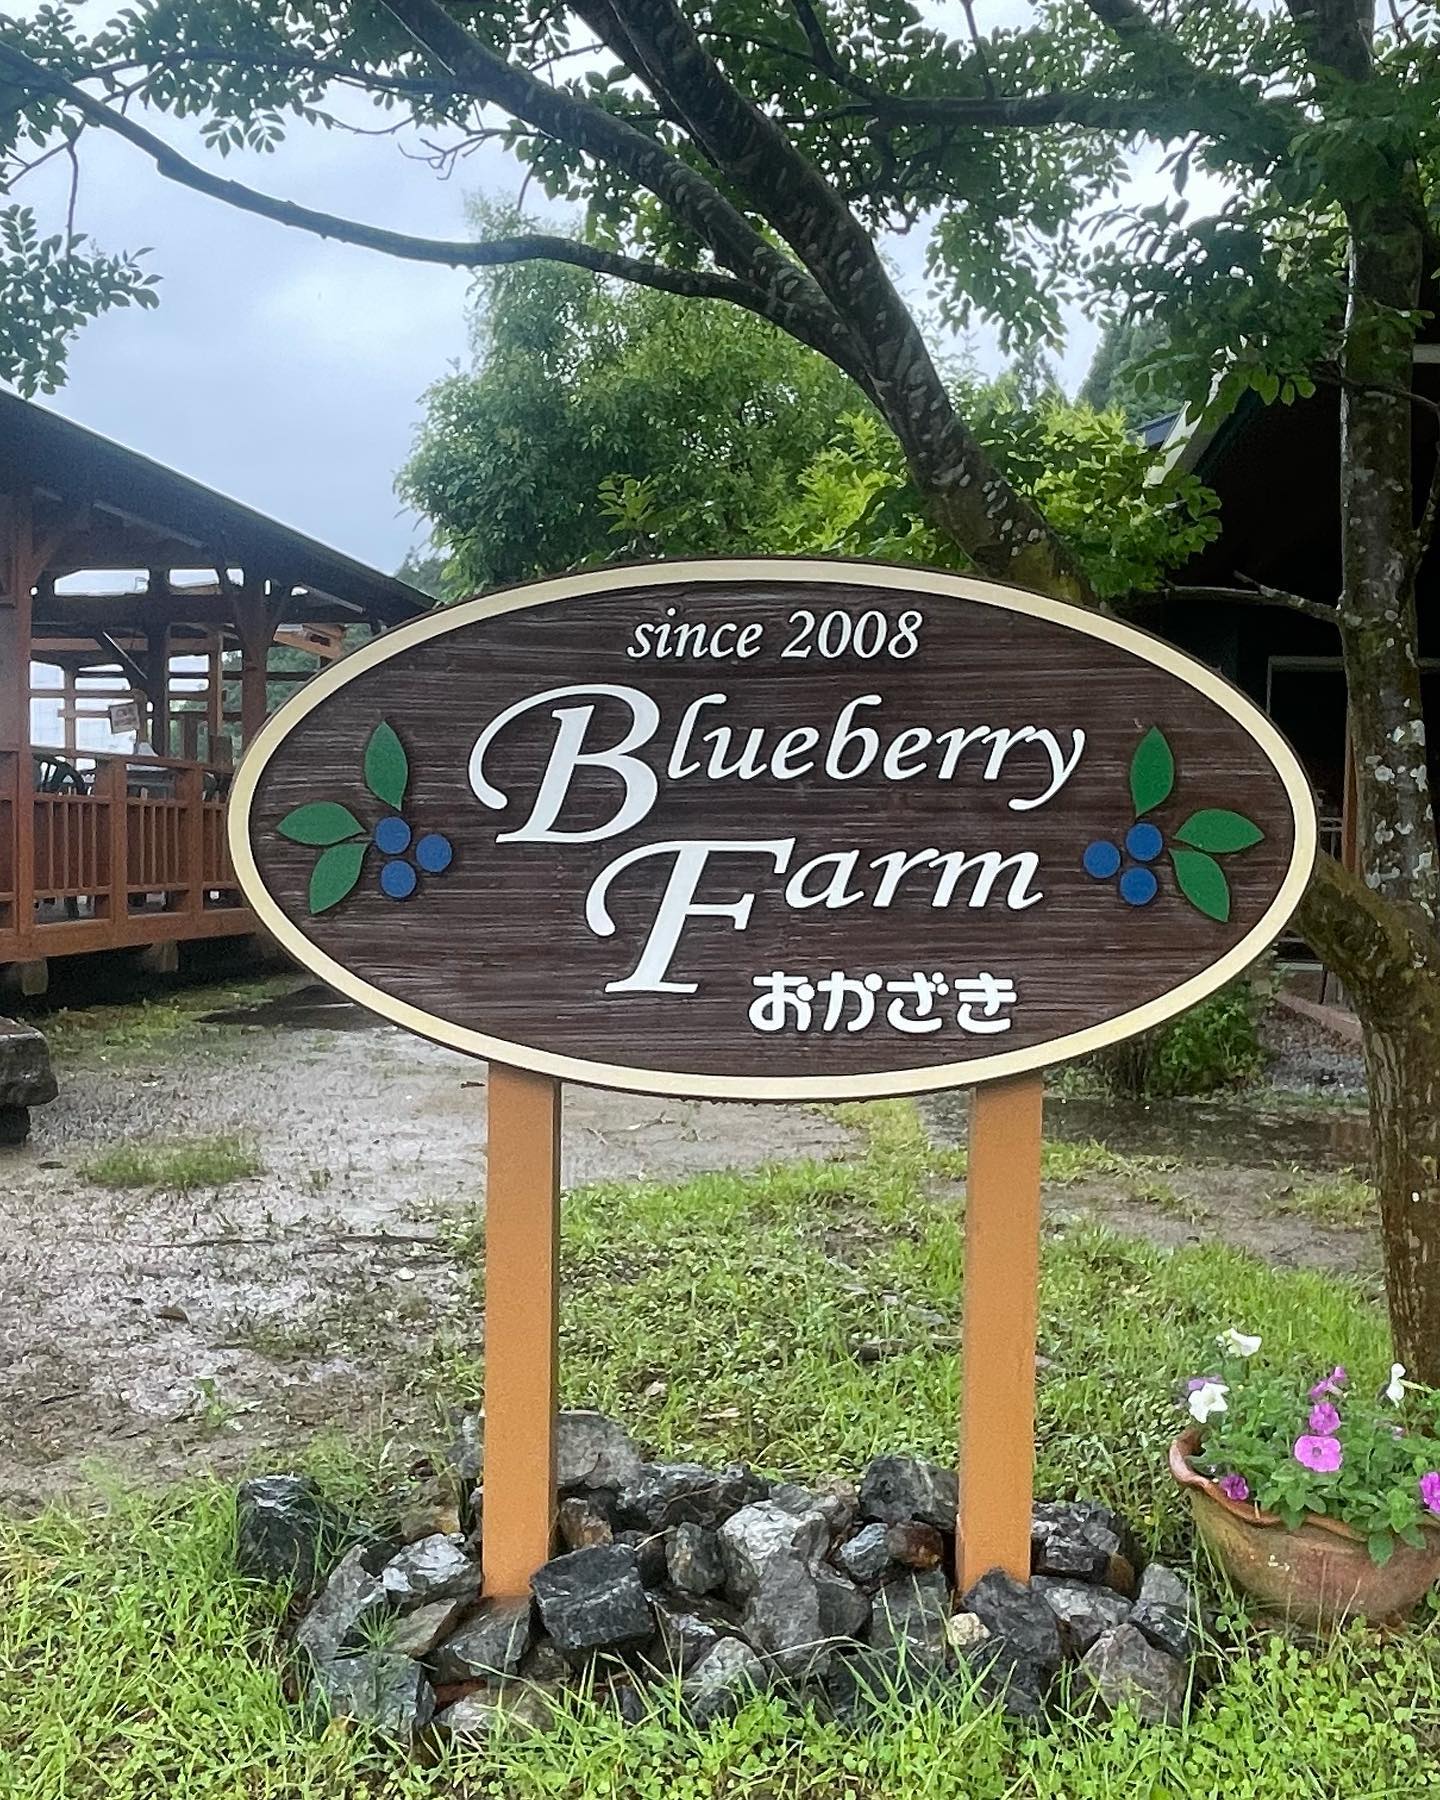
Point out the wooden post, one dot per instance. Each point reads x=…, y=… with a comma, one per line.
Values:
x=254, y=629
x=522, y=1219
x=1002, y=1272
x=19, y=569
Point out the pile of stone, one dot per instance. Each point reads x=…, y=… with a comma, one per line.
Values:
x=721, y=1585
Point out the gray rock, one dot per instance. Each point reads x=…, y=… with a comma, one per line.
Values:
x=835, y=1501
x=1012, y=1610
x=650, y=1559
x=592, y=1451
x=866, y=1557
x=1082, y=1612
x=433, y=1568
x=666, y=1494
x=844, y=1610
x=758, y=1535
x=419, y=1632
x=683, y=1635
x=582, y=1524
x=380, y=1689
x=516, y=1705
x=26, y=1078
x=722, y=1681
x=544, y=1662
x=491, y=1643
x=1003, y=1672
x=594, y=1600
x=1123, y=1668
x=1084, y=1540
x=909, y=1617
x=860, y=1683
x=352, y=1594
x=280, y=1524
x=692, y=1559
x=783, y=1618
x=465, y=1456
x=897, y=1488
x=14, y=1126
x=1167, y=1612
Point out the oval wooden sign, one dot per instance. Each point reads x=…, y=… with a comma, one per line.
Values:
x=772, y=830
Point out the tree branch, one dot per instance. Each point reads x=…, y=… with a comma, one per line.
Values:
x=1255, y=595
x=967, y=495
x=796, y=303
x=478, y=253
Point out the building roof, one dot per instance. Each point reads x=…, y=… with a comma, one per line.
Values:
x=144, y=515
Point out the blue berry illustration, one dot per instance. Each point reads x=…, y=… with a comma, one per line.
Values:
x=433, y=852
x=1102, y=859
x=1143, y=841
x=1138, y=887
x=392, y=836
x=397, y=879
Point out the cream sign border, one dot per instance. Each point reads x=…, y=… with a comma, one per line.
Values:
x=912, y=581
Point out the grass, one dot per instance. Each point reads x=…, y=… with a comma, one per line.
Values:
x=1344, y=1198
x=183, y=1166
x=153, y=1027
x=719, y=1317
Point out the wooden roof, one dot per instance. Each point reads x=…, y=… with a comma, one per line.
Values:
x=101, y=506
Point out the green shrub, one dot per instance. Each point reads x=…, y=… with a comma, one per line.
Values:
x=1214, y=1045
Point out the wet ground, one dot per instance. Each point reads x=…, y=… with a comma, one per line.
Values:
x=150, y=1334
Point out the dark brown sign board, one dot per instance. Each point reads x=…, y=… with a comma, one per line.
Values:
x=770, y=830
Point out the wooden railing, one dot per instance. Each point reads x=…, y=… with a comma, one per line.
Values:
x=134, y=852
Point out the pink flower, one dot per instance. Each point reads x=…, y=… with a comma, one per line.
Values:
x=1323, y=1455
x=1324, y=1418
x=1430, y=1492
x=1332, y=1383
x=1236, y=1487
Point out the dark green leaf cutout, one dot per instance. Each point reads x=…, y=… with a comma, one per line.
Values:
x=1152, y=771
x=336, y=871
x=1219, y=830
x=387, y=768
x=321, y=822
x=1202, y=882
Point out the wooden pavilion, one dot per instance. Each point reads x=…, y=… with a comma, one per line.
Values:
x=157, y=597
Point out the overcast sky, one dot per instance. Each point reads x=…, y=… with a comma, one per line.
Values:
x=281, y=369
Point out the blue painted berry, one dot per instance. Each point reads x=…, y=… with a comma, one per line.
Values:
x=1138, y=887
x=392, y=835
x=433, y=852
x=1144, y=842
x=397, y=879
x=1102, y=859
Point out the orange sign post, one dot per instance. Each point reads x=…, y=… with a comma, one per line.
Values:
x=770, y=830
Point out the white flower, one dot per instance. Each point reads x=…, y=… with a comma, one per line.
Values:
x=1208, y=1398
x=1236, y=1343
x=1395, y=1387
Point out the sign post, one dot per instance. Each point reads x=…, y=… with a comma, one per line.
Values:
x=770, y=830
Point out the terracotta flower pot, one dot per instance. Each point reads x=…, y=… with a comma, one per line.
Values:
x=1318, y=1574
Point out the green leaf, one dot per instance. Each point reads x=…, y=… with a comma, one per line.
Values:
x=336, y=871
x=1381, y=1547
x=1219, y=831
x=1152, y=770
x=321, y=822
x=387, y=768
x=1202, y=882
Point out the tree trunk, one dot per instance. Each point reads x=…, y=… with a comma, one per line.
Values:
x=1402, y=1066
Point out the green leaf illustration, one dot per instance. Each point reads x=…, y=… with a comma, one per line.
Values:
x=1152, y=771
x=336, y=871
x=387, y=768
x=1220, y=831
x=1202, y=882
x=321, y=822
